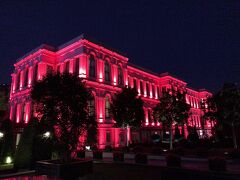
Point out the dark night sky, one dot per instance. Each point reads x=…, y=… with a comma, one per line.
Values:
x=198, y=41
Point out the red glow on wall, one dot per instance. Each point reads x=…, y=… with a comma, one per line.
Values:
x=20, y=96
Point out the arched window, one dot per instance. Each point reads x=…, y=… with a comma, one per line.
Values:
x=107, y=71
x=26, y=78
x=91, y=107
x=92, y=67
x=107, y=108
x=120, y=76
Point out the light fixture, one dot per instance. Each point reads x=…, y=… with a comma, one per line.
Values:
x=8, y=160
x=1, y=135
x=47, y=134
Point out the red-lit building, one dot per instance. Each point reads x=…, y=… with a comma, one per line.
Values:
x=105, y=72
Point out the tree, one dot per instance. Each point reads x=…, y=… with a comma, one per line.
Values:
x=7, y=148
x=61, y=102
x=24, y=151
x=224, y=107
x=172, y=109
x=127, y=109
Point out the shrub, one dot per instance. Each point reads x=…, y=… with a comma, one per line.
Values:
x=81, y=154
x=217, y=164
x=157, y=150
x=118, y=156
x=141, y=158
x=173, y=160
x=97, y=154
x=108, y=148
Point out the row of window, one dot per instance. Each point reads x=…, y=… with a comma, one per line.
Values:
x=23, y=76
x=154, y=92
x=93, y=70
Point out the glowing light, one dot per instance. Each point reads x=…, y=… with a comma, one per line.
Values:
x=146, y=123
x=1, y=135
x=46, y=134
x=8, y=160
x=165, y=150
x=158, y=124
x=88, y=148
x=152, y=123
x=100, y=77
x=26, y=120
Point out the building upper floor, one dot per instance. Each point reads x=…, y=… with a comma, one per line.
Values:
x=101, y=67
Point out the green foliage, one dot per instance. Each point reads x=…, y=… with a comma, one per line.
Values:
x=61, y=100
x=172, y=108
x=127, y=108
x=7, y=146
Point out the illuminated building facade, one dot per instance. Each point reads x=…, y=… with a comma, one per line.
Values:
x=105, y=72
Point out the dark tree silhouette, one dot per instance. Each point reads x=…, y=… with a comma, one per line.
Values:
x=127, y=109
x=7, y=148
x=224, y=107
x=61, y=101
x=172, y=108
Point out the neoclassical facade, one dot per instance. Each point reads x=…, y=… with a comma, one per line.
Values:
x=105, y=72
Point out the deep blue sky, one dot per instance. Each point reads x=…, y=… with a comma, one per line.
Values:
x=198, y=41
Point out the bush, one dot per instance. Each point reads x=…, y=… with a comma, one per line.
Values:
x=141, y=158
x=81, y=154
x=217, y=164
x=156, y=150
x=173, y=160
x=108, y=148
x=118, y=156
x=97, y=154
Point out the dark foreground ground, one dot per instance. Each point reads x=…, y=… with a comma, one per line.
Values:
x=129, y=171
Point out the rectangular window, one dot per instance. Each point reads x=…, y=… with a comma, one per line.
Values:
x=121, y=137
x=67, y=67
x=108, y=136
x=147, y=87
x=36, y=72
x=77, y=67
x=49, y=69
x=17, y=81
x=141, y=87
x=153, y=91
x=135, y=83
x=26, y=78
x=58, y=69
